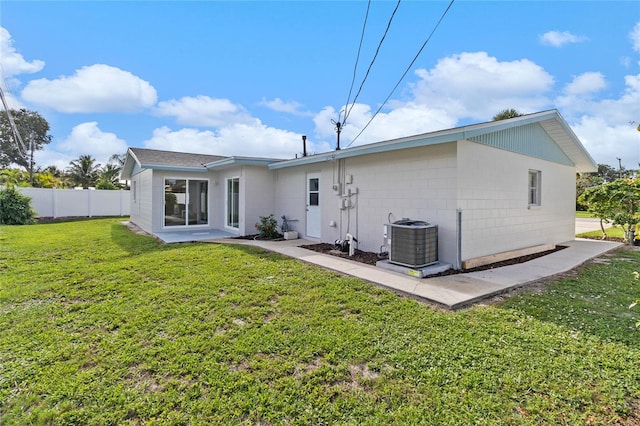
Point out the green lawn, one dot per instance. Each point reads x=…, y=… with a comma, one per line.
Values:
x=101, y=326
x=612, y=232
x=584, y=215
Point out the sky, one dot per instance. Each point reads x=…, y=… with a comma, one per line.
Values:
x=249, y=78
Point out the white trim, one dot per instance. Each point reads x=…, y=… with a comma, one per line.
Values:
x=226, y=203
x=537, y=187
x=186, y=224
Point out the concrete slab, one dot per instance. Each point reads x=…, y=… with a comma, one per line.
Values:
x=191, y=235
x=451, y=291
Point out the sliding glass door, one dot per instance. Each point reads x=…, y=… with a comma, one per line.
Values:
x=186, y=202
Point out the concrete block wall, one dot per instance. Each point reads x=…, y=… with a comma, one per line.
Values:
x=418, y=183
x=493, y=196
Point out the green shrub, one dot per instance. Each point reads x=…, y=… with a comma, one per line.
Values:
x=15, y=208
x=268, y=227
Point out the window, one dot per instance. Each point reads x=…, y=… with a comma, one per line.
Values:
x=186, y=202
x=134, y=191
x=314, y=192
x=534, y=187
x=233, y=202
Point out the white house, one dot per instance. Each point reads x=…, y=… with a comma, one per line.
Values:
x=491, y=188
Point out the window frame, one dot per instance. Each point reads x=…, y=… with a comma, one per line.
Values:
x=232, y=205
x=534, y=188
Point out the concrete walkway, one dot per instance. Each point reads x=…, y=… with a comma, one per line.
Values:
x=451, y=291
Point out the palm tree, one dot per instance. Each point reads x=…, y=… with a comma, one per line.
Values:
x=109, y=177
x=83, y=171
x=505, y=114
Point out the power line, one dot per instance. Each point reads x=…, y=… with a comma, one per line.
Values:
x=405, y=72
x=355, y=67
x=14, y=128
x=372, y=61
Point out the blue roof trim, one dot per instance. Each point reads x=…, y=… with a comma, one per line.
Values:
x=239, y=161
x=480, y=133
x=517, y=139
x=413, y=142
x=174, y=168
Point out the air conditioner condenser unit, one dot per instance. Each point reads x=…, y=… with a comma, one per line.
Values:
x=412, y=243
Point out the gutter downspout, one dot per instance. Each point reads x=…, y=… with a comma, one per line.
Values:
x=459, y=239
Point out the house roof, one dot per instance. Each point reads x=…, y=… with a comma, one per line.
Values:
x=143, y=158
x=559, y=144
x=165, y=160
x=549, y=124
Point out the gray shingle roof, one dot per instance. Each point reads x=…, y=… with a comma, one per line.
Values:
x=154, y=157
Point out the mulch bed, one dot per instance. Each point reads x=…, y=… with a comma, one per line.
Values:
x=371, y=258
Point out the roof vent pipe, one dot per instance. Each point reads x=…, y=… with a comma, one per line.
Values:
x=304, y=145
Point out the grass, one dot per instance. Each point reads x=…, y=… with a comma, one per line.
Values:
x=612, y=232
x=101, y=326
x=584, y=215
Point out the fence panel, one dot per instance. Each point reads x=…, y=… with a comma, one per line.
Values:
x=50, y=202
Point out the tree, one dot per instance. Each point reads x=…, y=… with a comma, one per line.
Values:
x=583, y=182
x=109, y=177
x=617, y=201
x=33, y=130
x=607, y=173
x=505, y=114
x=83, y=171
x=13, y=177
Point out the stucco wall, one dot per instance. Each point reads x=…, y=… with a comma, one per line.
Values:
x=257, y=188
x=493, y=196
x=290, y=195
x=158, y=196
x=141, y=213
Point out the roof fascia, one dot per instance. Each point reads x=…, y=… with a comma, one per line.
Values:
x=174, y=168
x=576, y=141
x=393, y=145
x=128, y=166
x=239, y=161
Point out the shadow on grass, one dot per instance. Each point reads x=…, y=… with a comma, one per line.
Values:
x=140, y=243
x=595, y=301
x=134, y=243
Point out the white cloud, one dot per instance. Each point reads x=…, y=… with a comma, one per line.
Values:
x=477, y=86
x=95, y=88
x=634, y=35
x=12, y=62
x=607, y=127
x=291, y=107
x=256, y=140
x=205, y=111
x=405, y=120
x=607, y=141
x=577, y=102
x=585, y=84
x=87, y=138
x=560, y=38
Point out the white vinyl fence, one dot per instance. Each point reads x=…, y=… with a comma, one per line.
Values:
x=49, y=202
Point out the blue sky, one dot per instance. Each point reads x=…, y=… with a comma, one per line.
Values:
x=249, y=78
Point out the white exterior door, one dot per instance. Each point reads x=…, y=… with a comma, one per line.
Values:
x=313, y=205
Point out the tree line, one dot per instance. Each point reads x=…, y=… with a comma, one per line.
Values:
x=22, y=133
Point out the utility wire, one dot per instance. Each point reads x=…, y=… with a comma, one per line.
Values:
x=12, y=123
x=372, y=61
x=355, y=67
x=405, y=72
